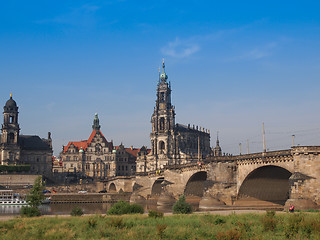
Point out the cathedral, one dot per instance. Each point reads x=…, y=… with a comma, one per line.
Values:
x=16, y=149
x=172, y=143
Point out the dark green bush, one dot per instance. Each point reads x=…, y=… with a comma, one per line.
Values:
x=30, y=212
x=155, y=214
x=15, y=168
x=122, y=207
x=76, y=211
x=219, y=220
x=181, y=206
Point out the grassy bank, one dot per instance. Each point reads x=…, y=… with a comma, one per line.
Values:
x=194, y=226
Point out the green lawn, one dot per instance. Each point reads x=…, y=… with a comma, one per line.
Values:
x=195, y=226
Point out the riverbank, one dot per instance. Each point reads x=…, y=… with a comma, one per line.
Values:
x=234, y=225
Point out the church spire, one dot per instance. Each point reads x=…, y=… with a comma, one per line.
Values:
x=96, y=125
x=163, y=75
x=217, y=143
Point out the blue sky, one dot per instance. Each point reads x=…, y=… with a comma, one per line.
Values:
x=232, y=66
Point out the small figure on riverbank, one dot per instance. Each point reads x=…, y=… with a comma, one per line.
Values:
x=291, y=208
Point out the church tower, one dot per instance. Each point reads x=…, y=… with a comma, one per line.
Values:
x=163, y=121
x=10, y=127
x=10, y=151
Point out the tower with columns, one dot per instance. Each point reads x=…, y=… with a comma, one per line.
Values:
x=171, y=143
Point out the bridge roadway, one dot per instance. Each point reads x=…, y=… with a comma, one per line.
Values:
x=278, y=177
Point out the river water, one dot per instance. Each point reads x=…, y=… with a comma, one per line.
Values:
x=88, y=208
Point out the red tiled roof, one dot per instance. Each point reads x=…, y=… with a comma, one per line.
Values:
x=85, y=143
x=133, y=151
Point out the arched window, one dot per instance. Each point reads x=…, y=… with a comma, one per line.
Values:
x=162, y=146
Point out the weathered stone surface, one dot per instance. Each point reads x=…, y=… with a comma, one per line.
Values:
x=301, y=204
x=209, y=202
x=222, y=177
x=166, y=199
x=137, y=198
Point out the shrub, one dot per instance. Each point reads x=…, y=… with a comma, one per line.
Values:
x=268, y=221
x=160, y=230
x=92, y=222
x=117, y=223
x=219, y=220
x=15, y=168
x=181, y=206
x=155, y=214
x=293, y=225
x=36, y=196
x=232, y=234
x=76, y=211
x=30, y=212
x=122, y=207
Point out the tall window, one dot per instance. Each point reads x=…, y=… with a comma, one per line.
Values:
x=162, y=123
x=11, y=138
x=161, y=146
x=161, y=97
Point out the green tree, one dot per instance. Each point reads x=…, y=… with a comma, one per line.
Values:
x=181, y=206
x=36, y=196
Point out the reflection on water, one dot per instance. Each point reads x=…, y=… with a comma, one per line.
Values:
x=10, y=209
x=89, y=208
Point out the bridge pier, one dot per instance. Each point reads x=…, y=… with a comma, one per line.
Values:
x=287, y=175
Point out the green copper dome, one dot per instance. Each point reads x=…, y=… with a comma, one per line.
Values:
x=163, y=75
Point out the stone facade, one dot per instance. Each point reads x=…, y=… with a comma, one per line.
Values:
x=261, y=179
x=16, y=149
x=171, y=143
x=305, y=180
x=98, y=158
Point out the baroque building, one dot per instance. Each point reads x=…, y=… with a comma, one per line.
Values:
x=19, y=149
x=171, y=143
x=98, y=158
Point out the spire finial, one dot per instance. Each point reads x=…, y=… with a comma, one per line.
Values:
x=163, y=65
x=10, y=95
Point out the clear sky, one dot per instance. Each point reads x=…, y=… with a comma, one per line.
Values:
x=232, y=65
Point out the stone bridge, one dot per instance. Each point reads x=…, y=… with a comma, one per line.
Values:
x=269, y=176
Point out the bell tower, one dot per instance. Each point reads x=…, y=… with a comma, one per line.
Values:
x=163, y=120
x=10, y=127
x=9, y=147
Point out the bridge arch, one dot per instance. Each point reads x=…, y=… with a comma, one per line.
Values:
x=157, y=187
x=268, y=183
x=195, y=184
x=112, y=187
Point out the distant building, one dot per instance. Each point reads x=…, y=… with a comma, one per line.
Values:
x=217, y=152
x=19, y=149
x=171, y=143
x=98, y=158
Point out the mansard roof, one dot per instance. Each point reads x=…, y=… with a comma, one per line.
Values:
x=85, y=143
x=133, y=151
x=33, y=142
